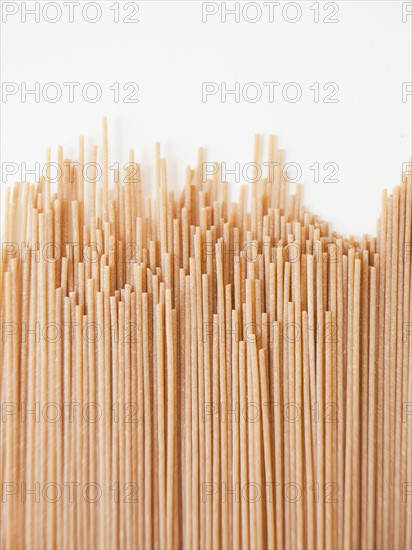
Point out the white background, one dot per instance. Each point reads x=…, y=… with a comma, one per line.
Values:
x=171, y=51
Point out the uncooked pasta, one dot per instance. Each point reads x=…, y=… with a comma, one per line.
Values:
x=186, y=371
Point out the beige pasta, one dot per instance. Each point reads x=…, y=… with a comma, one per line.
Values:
x=190, y=372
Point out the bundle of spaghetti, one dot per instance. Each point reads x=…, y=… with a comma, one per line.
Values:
x=191, y=372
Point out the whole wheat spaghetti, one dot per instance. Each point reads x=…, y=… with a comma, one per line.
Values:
x=190, y=372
